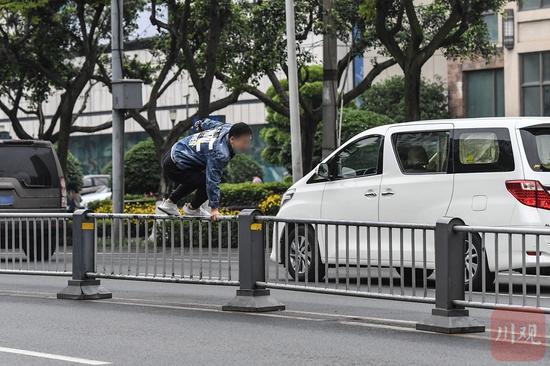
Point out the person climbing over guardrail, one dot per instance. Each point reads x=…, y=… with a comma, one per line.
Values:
x=196, y=163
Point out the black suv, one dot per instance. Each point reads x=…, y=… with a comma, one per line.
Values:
x=31, y=181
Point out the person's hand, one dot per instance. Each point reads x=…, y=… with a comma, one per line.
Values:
x=214, y=214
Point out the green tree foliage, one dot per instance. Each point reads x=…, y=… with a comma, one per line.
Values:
x=73, y=174
x=411, y=33
x=242, y=168
x=277, y=136
x=41, y=41
x=388, y=97
x=309, y=21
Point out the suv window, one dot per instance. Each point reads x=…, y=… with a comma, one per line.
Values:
x=358, y=159
x=482, y=150
x=425, y=152
x=32, y=166
x=536, y=142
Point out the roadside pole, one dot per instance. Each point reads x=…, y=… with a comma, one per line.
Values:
x=330, y=80
x=117, y=46
x=295, y=133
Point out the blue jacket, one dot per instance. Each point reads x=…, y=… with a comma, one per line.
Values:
x=207, y=149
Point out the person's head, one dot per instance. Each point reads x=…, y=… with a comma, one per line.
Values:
x=240, y=137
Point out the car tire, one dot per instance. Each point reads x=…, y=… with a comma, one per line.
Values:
x=292, y=261
x=477, y=278
x=418, y=274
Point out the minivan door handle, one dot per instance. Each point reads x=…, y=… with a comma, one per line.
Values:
x=370, y=194
x=388, y=193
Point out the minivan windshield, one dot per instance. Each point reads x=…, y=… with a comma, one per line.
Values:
x=536, y=142
x=32, y=166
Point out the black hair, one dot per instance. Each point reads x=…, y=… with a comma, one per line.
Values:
x=240, y=129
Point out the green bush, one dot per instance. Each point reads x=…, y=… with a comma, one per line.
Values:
x=232, y=196
x=356, y=121
x=249, y=194
x=242, y=168
x=388, y=98
x=141, y=168
x=73, y=174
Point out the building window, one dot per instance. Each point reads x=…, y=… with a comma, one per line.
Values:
x=484, y=93
x=533, y=4
x=491, y=21
x=535, y=84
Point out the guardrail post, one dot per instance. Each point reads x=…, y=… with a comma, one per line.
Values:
x=449, y=282
x=251, y=297
x=81, y=286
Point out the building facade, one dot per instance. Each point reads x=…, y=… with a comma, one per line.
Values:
x=517, y=81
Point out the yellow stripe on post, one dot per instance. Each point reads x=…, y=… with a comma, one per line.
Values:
x=256, y=227
x=87, y=226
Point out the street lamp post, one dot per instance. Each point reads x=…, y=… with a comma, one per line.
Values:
x=118, y=115
x=295, y=134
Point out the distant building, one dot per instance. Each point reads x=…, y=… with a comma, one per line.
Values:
x=516, y=83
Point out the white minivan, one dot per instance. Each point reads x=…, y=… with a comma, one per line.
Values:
x=488, y=172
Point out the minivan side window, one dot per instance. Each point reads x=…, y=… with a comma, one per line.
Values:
x=536, y=143
x=358, y=159
x=425, y=152
x=482, y=150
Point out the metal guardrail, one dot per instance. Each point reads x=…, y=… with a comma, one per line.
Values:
x=515, y=269
x=354, y=258
x=35, y=243
x=165, y=248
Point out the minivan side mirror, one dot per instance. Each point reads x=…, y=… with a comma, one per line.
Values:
x=323, y=171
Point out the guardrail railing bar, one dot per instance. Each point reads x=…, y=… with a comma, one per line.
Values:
x=358, y=258
x=537, y=253
x=510, y=285
x=523, y=271
x=393, y=225
x=497, y=283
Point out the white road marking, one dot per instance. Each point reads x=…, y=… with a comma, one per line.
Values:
x=51, y=356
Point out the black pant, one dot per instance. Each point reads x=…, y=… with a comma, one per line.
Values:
x=189, y=180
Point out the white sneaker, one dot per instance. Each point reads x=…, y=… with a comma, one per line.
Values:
x=199, y=212
x=170, y=208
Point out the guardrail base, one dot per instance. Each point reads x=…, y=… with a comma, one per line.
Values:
x=451, y=325
x=253, y=301
x=84, y=290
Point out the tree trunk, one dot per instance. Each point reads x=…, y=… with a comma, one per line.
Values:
x=204, y=102
x=412, y=94
x=309, y=128
x=65, y=122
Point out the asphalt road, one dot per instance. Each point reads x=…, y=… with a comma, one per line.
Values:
x=175, y=324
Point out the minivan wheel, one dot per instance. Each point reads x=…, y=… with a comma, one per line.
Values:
x=418, y=275
x=301, y=254
x=473, y=272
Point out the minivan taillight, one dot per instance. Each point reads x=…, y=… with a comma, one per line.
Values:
x=530, y=193
x=63, y=191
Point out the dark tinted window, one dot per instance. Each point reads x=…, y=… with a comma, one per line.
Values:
x=482, y=150
x=536, y=142
x=425, y=152
x=358, y=159
x=33, y=166
x=101, y=181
